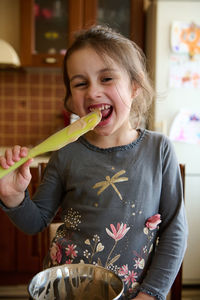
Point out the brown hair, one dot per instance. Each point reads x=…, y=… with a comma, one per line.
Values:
x=109, y=43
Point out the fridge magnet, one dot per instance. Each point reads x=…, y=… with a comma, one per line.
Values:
x=186, y=127
x=185, y=38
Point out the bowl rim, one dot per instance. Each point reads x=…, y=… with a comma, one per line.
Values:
x=71, y=266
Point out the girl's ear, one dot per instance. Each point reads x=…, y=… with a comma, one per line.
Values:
x=135, y=89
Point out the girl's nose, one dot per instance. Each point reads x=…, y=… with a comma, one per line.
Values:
x=94, y=91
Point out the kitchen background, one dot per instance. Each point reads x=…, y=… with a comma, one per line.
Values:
x=31, y=96
x=31, y=106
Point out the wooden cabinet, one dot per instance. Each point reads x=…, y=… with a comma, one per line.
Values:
x=21, y=255
x=126, y=16
x=42, y=30
x=47, y=27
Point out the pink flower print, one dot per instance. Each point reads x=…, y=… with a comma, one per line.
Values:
x=123, y=270
x=70, y=251
x=68, y=261
x=153, y=222
x=55, y=253
x=130, y=278
x=119, y=233
x=116, y=234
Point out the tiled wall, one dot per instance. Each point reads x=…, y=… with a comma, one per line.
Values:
x=31, y=106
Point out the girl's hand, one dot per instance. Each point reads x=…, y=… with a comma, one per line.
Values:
x=14, y=184
x=143, y=296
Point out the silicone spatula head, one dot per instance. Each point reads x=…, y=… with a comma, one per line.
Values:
x=60, y=139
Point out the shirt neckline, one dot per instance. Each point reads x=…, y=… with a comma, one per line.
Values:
x=117, y=148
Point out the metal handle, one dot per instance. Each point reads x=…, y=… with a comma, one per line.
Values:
x=50, y=60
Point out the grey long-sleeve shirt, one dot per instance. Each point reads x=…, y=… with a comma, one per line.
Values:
x=107, y=197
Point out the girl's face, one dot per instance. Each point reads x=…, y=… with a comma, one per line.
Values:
x=95, y=83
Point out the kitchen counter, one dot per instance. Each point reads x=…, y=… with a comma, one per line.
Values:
x=36, y=161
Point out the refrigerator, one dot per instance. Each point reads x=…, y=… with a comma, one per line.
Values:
x=177, y=96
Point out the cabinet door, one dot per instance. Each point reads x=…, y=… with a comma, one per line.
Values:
x=126, y=16
x=21, y=255
x=31, y=251
x=7, y=244
x=46, y=27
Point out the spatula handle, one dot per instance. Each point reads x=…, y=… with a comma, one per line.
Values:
x=16, y=165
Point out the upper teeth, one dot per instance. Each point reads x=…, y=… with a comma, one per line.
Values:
x=103, y=106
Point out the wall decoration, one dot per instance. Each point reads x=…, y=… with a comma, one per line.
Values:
x=186, y=127
x=184, y=72
x=185, y=60
x=185, y=38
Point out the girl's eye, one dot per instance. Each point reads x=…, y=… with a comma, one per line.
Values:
x=80, y=84
x=106, y=79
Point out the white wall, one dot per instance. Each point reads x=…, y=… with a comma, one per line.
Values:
x=170, y=100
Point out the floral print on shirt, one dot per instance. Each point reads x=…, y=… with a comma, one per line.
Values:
x=62, y=249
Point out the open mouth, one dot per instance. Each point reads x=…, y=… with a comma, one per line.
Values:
x=106, y=110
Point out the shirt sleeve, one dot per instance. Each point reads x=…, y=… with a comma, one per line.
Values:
x=32, y=216
x=173, y=230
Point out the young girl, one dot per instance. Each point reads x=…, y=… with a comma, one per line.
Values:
x=119, y=186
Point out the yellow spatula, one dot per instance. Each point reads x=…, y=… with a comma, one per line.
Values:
x=58, y=140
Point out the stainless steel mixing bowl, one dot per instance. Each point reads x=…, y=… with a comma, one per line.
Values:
x=76, y=282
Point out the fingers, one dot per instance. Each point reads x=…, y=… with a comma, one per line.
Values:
x=28, y=162
x=25, y=169
x=13, y=155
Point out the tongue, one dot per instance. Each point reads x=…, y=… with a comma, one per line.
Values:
x=105, y=113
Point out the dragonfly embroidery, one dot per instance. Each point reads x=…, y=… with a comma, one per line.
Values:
x=111, y=181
